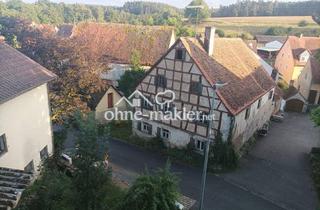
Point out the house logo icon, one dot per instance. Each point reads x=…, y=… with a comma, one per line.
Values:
x=134, y=100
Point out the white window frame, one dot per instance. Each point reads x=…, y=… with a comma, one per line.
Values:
x=164, y=133
x=201, y=144
x=3, y=144
x=145, y=126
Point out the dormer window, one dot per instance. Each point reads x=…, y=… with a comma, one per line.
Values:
x=180, y=54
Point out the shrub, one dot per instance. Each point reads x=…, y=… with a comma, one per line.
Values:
x=220, y=32
x=158, y=191
x=303, y=23
x=222, y=155
x=276, y=31
x=315, y=163
x=315, y=116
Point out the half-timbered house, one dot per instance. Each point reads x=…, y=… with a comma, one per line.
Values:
x=191, y=68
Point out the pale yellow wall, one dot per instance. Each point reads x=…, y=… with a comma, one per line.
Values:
x=296, y=72
x=102, y=106
x=26, y=122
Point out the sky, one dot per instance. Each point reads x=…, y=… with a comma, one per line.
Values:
x=177, y=3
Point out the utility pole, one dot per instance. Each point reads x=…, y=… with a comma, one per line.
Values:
x=210, y=138
x=197, y=8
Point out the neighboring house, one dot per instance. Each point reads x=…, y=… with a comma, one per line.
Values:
x=309, y=82
x=108, y=102
x=294, y=55
x=119, y=42
x=190, y=68
x=25, y=126
x=269, y=46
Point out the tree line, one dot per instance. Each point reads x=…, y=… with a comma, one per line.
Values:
x=46, y=12
x=246, y=8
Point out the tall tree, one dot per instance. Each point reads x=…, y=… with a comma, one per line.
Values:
x=91, y=176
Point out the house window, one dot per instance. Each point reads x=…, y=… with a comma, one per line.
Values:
x=196, y=88
x=3, y=144
x=146, y=103
x=180, y=54
x=44, y=154
x=259, y=103
x=147, y=128
x=247, y=113
x=144, y=127
x=167, y=107
x=199, y=145
x=203, y=118
x=110, y=100
x=161, y=81
x=270, y=94
x=29, y=167
x=164, y=134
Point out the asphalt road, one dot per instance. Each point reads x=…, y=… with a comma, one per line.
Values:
x=275, y=174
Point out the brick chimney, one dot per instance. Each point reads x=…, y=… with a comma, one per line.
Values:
x=2, y=39
x=209, y=39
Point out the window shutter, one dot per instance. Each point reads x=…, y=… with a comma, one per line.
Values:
x=150, y=130
x=199, y=89
x=156, y=80
x=183, y=54
x=139, y=126
x=158, y=132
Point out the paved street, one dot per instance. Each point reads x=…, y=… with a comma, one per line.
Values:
x=275, y=174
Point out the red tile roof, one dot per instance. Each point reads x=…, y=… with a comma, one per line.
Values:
x=117, y=42
x=19, y=74
x=233, y=63
x=307, y=43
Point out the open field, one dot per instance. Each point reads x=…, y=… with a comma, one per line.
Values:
x=259, y=25
x=263, y=21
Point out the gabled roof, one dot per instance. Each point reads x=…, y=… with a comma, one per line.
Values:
x=233, y=63
x=266, y=38
x=304, y=43
x=19, y=74
x=117, y=42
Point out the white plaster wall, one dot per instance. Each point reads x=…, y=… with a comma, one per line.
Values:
x=102, y=106
x=117, y=71
x=177, y=138
x=26, y=122
x=245, y=128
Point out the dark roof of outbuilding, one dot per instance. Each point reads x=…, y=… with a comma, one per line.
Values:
x=266, y=38
x=19, y=74
x=233, y=63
